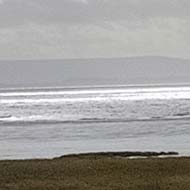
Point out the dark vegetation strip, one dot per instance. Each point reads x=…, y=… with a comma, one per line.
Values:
x=89, y=172
x=121, y=154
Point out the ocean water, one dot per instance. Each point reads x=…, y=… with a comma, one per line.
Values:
x=50, y=122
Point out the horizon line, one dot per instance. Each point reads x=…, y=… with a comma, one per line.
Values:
x=98, y=86
x=99, y=58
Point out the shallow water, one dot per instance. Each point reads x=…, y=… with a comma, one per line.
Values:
x=41, y=123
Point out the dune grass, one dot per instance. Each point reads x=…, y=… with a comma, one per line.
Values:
x=96, y=173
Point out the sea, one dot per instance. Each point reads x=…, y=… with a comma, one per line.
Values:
x=50, y=122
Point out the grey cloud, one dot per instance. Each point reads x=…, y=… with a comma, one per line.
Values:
x=32, y=29
x=14, y=12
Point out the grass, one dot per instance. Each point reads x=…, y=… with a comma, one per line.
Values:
x=96, y=173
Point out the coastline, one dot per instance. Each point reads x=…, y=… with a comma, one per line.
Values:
x=124, y=154
x=107, y=154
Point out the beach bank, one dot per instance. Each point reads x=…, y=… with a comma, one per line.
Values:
x=96, y=171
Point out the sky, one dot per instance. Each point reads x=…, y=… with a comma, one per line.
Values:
x=58, y=29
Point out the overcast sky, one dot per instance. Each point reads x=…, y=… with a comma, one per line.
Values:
x=42, y=29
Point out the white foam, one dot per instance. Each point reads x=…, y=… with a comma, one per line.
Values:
x=99, y=95
x=98, y=91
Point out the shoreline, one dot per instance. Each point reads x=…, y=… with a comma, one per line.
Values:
x=124, y=154
x=109, y=154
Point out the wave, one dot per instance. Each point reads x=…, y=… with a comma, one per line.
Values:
x=72, y=87
x=105, y=94
x=89, y=120
x=96, y=99
x=95, y=105
x=182, y=114
x=94, y=91
x=5, y=116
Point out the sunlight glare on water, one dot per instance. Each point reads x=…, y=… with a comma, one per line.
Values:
x=114, y=117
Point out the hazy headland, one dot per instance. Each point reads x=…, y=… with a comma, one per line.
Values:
x=81, y=72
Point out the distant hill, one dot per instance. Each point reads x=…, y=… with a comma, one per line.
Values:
x=135, y=70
